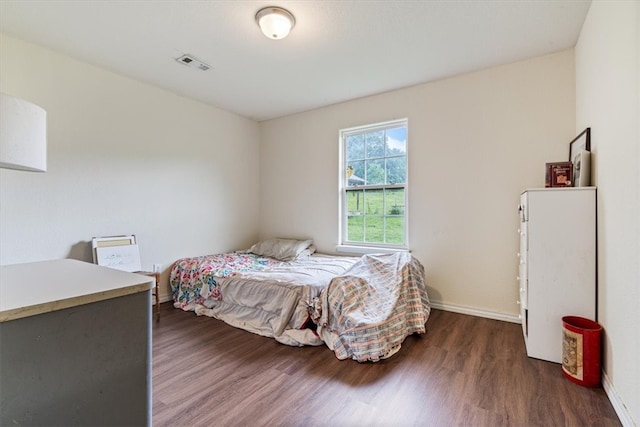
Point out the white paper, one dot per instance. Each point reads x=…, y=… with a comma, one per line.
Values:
x=126, y=258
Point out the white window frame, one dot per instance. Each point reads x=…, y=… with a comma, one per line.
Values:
x=369, y=247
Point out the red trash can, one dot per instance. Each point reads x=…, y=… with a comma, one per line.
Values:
x=581, y=347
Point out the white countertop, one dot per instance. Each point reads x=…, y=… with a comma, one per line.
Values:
x=40, y=287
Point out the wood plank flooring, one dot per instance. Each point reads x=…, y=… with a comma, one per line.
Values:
x=465, y=371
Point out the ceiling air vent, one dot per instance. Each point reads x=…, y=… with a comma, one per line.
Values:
x=193, y=62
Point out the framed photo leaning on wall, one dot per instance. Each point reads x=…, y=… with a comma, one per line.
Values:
x=580, y=156
x=558, y=174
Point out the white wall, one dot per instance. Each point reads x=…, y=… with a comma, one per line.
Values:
x=124, y=157
x=607, y=100
x=475, y=142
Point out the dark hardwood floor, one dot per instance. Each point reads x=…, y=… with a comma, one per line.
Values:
x=465, y=371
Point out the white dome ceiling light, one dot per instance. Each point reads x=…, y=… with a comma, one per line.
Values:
x=275, y=22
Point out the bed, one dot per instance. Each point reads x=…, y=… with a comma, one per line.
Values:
x=360, y=307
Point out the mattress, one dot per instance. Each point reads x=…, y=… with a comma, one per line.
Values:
x=259, y=294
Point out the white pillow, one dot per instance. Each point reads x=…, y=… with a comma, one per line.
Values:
x=282, y=249
x=305, y=253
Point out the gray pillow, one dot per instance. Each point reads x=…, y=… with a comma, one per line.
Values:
x=282, y=249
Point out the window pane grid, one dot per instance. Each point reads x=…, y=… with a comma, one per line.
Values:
x=374, y=191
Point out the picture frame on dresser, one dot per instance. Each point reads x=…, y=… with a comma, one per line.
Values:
x=580, y=157
x=558, y=174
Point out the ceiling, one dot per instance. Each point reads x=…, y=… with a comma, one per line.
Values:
x=337, y=51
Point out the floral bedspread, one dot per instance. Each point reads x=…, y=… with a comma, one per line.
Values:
x=193, y=280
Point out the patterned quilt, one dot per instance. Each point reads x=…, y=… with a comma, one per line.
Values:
x=366, y=313
x=193, y=280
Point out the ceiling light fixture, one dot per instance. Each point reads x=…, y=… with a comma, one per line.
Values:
x=275, y=22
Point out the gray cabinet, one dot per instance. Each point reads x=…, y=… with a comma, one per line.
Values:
x=557, y=264
x=75, y=345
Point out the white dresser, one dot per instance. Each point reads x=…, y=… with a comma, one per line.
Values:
x=557, y=264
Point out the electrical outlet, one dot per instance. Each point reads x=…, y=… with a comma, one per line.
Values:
x=157, y=268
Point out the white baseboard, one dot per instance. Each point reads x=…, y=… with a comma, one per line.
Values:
x=513, y=318
x=165, y=298
x=616, y=402
x=440, y=306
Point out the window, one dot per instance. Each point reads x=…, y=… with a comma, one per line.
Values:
x=373, y=186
